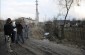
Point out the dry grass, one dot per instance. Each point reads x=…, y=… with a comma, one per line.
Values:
x=37, y=32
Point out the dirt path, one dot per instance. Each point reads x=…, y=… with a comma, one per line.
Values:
x=44, y=47
x=17, y=48
x=38, y=47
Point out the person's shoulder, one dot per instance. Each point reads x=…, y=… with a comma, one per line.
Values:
x=5, y=24
x=20, y=24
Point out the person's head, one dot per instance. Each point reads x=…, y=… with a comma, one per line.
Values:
x=8, y=20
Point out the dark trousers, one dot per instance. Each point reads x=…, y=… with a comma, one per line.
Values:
x=13, y=36
x=20, y=38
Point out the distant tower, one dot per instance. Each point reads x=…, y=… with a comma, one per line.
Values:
x=37, y=13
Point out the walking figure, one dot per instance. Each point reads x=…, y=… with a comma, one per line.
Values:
x=25, y=31
x=14, y=33
x=8, y=33
x=19, y=32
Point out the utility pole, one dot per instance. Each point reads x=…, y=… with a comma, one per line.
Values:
x=37, y=14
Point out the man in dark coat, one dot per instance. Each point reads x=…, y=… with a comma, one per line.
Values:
x=8, y=27
x=19, y=32
x=8, y=33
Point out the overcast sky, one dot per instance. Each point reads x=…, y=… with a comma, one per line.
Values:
x=26, y=8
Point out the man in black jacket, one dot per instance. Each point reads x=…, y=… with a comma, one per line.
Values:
x=8, y=33
x=8, y=27
x=19, y=32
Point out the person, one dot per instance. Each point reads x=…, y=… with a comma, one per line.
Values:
x=25, y=31
x=14, y=33
x=19, y=32
x=8, y=33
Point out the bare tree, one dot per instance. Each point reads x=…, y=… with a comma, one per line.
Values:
x=67, y=4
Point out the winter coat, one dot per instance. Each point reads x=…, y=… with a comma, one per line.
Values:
x=8, y=29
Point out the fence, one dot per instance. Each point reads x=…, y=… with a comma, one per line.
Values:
x=75, y=35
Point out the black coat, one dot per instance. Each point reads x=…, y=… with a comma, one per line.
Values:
x=19, y=28
x=8, y=29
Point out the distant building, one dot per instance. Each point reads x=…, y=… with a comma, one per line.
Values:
x=61, y=23
x=29, y=20
x=26, y=20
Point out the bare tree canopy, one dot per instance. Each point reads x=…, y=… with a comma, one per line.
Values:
x=66, y=6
